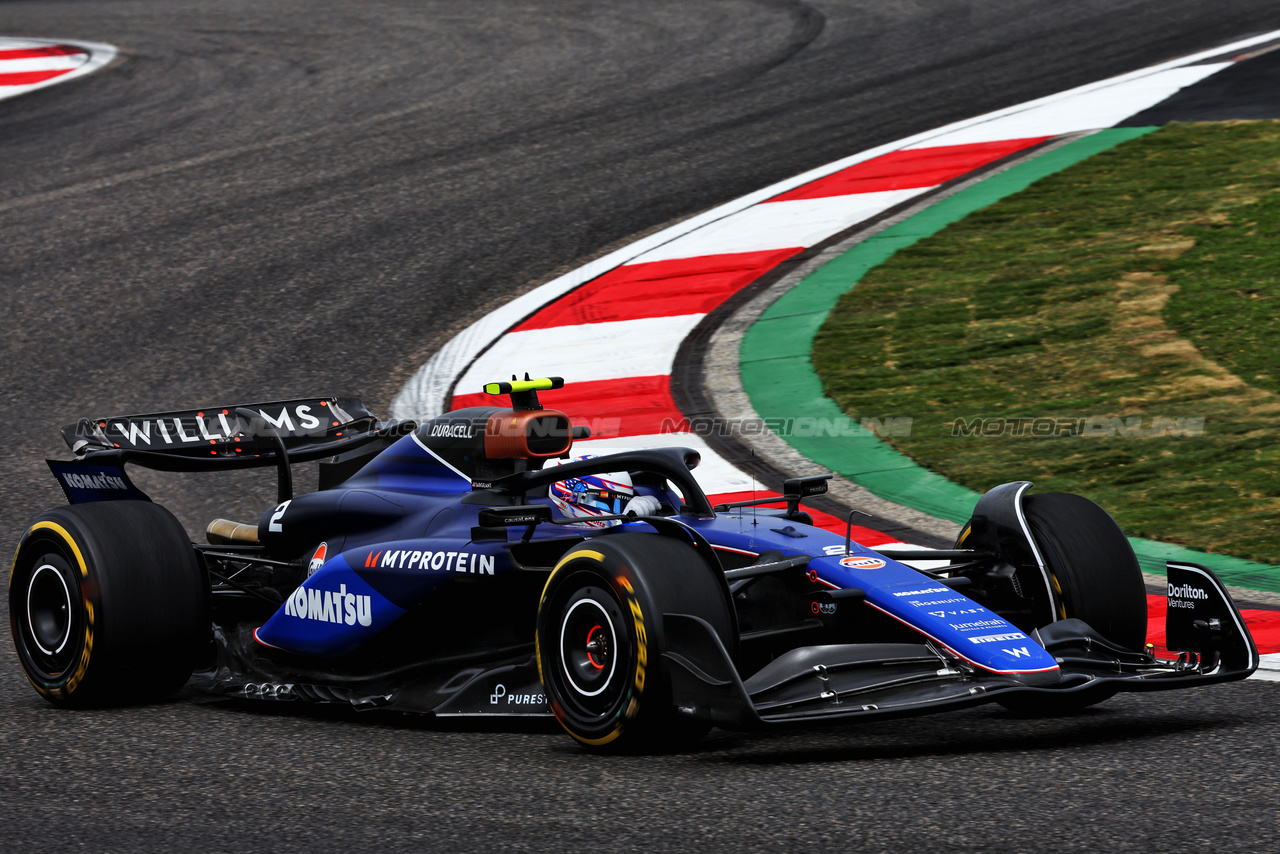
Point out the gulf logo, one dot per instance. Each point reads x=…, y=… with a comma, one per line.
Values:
x=317, y=559
x=862, y=562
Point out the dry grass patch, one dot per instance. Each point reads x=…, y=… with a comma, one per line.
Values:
x=1143, y=284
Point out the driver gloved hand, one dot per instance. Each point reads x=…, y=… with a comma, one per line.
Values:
x=642, y=505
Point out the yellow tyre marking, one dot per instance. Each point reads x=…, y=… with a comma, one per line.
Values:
x=537, y=641
x=575, y=555
x=66, y=538
x=1057, y=588
x=83, y=664
x=596, y=742
x=642, y=642
x=643, y=651
x=599, y=558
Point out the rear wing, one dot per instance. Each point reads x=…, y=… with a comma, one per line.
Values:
x=218, y=438
x=225, y=436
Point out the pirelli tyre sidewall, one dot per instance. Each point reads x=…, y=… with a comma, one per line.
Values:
x=600, y=639
x=1095, y=578
x=107, y=604
x=1092, y=568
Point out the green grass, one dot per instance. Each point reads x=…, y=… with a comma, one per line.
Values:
x=1141, y=283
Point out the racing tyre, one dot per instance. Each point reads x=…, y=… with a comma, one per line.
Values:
x=1095, y=577
x=107, y=604
x=600, y=638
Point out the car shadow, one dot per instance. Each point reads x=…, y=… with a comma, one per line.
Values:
x=380, y=717
x=988, y=733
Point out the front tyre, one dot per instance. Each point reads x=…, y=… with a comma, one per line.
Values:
x=1095, y=575
x=600, y=638
x=107, y=604
x=1095, y=578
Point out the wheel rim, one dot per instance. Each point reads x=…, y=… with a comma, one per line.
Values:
x=588, y=647
x=594, y=653
x=49, y=609
x=52, y=614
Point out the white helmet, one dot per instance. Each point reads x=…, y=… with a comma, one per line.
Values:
x=592, y=495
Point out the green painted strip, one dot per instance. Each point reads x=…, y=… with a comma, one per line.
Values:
x=778, y=374
x=1232, y=570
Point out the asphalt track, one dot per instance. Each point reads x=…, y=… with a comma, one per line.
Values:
x=268, y=199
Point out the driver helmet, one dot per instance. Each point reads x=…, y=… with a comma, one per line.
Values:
x=592, y=495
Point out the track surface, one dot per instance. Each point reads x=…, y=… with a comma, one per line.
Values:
x=266, y=199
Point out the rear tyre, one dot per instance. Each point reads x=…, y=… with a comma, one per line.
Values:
x=107, y=604
x=600, y=638
x=1095, y=578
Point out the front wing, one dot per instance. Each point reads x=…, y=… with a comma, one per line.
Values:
x=828, y=683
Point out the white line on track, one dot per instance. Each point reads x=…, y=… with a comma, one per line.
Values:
x=1085, y=110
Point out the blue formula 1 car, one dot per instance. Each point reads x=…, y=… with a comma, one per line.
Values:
x=470, y=566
